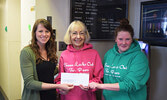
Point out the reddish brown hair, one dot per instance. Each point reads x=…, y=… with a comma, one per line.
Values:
x=124, y=26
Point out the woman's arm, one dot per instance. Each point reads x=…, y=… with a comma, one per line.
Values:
x=135, y=79
x=26, y=63
x=113, y=87
x=65, y=87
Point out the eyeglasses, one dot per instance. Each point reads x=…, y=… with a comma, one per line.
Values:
x=75, y=34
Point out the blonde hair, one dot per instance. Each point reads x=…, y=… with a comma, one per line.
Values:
x=67, y=38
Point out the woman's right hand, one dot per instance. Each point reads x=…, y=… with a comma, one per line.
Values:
x=65, y=88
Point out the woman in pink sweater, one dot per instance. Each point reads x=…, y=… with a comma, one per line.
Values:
x=80, y=57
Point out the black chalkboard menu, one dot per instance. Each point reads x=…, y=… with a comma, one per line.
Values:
x=100, y=16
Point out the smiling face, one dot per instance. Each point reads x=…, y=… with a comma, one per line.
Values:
x=124, y=41
x=42, y=35
x=77, y=36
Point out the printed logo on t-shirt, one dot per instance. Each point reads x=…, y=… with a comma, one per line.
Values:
x=78, y=67
x=112, y=70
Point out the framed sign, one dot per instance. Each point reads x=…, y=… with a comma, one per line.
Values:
x=100, y=16
x=153, y=25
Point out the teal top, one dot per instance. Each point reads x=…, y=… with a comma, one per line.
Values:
x=29, y=73
x=130, y=69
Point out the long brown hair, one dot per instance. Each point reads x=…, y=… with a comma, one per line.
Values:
x=50, y=45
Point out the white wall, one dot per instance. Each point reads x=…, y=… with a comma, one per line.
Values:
x=60, y=12
x=10, y=79
x=27, y=20
x=158, y=81
x=3, y=46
